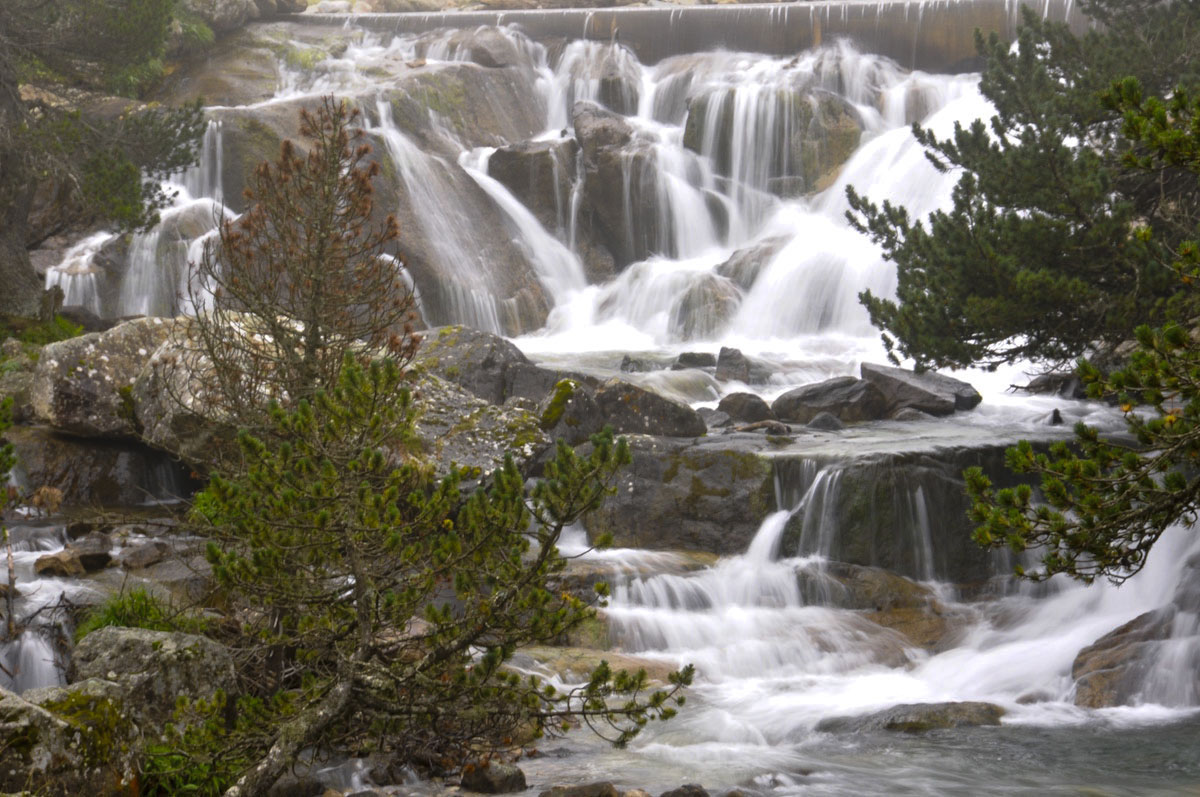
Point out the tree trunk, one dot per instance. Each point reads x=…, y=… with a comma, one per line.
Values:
x=298, y=733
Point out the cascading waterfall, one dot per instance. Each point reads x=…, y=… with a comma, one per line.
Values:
x=732, y=192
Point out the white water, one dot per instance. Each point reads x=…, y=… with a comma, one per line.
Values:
x=770, y=666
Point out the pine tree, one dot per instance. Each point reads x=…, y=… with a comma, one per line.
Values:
x=1034, y=260
x=378, y=605
x=1104, y=503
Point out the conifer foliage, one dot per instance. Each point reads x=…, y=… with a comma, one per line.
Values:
x=380, y=604
x=1034, y=260
x=1105, y=503
x=301, y=278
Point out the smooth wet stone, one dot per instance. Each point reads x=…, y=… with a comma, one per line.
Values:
x=928, y=392
x=746, y=408
x=850, y=400
x=918, y=718
x=494, y=778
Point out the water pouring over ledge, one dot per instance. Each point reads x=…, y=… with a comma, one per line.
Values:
x=795, y=660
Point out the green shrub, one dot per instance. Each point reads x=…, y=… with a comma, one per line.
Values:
x=137, y=608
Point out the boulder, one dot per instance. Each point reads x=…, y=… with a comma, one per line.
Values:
x=928, y=392
x=96, y=472
x=745, y=408
x=600, y=789
x=734, y=366
x=571, y=413
x=918, y=718
x=634, y=410
x=686, y=790
x=143, y=555
x=455, y=426
x=1111, y=671
x=1065, y=385
x=154, y=668
x=709, y=495
x=82, y=385
x=494, y=778
x=694, y=359
x=241, y=69
x=813, y=135
x=222, y=15
x=826, y=422
x=620, y=186
x=539, y=173
x=64, y=564
x=714, y=419
x=94, y=551
x=904, y=513
x=487, y=365
x=744, y=265
x=849, y=399
x=704, y=309
x=73, y=740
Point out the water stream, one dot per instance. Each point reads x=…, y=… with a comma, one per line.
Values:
x=720, y=166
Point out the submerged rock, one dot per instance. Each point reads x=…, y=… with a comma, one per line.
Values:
x=744, y=265
x=918, y=718
x=1111, y=671
x=733, y=365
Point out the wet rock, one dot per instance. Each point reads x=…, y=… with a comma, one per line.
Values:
x=848, y=399
x=486, y=365
x=1066, y=385
x=570, y=413
x=636, y=365
x=1111, y=671
x=64, y=564
x=918, y=718
x=73, y=740
x=745, y=408
x=905, y=513
x=928, y=392
x=297, y=786
x=82, y=385
x=241, y=69
x=909, y=414
x=144, y=555
x=847, y=586
x=710, y=495
x=539, y=174
x=618, y=170
x=94, y=551
x=687, y=790
x=704, y=309
x=826, y=422
x=634, y=410
x=770, y=427
x=222, y=15
x=154, y=668
x=744, y=265
x=714, y=418
x=494, y=778
x=694, y=359
x=601, y=789
x=814, y=135
x=733, y=365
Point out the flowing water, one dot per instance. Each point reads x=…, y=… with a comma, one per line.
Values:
x=713, y=170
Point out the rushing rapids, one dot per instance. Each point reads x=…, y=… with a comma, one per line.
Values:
x=696, y=200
